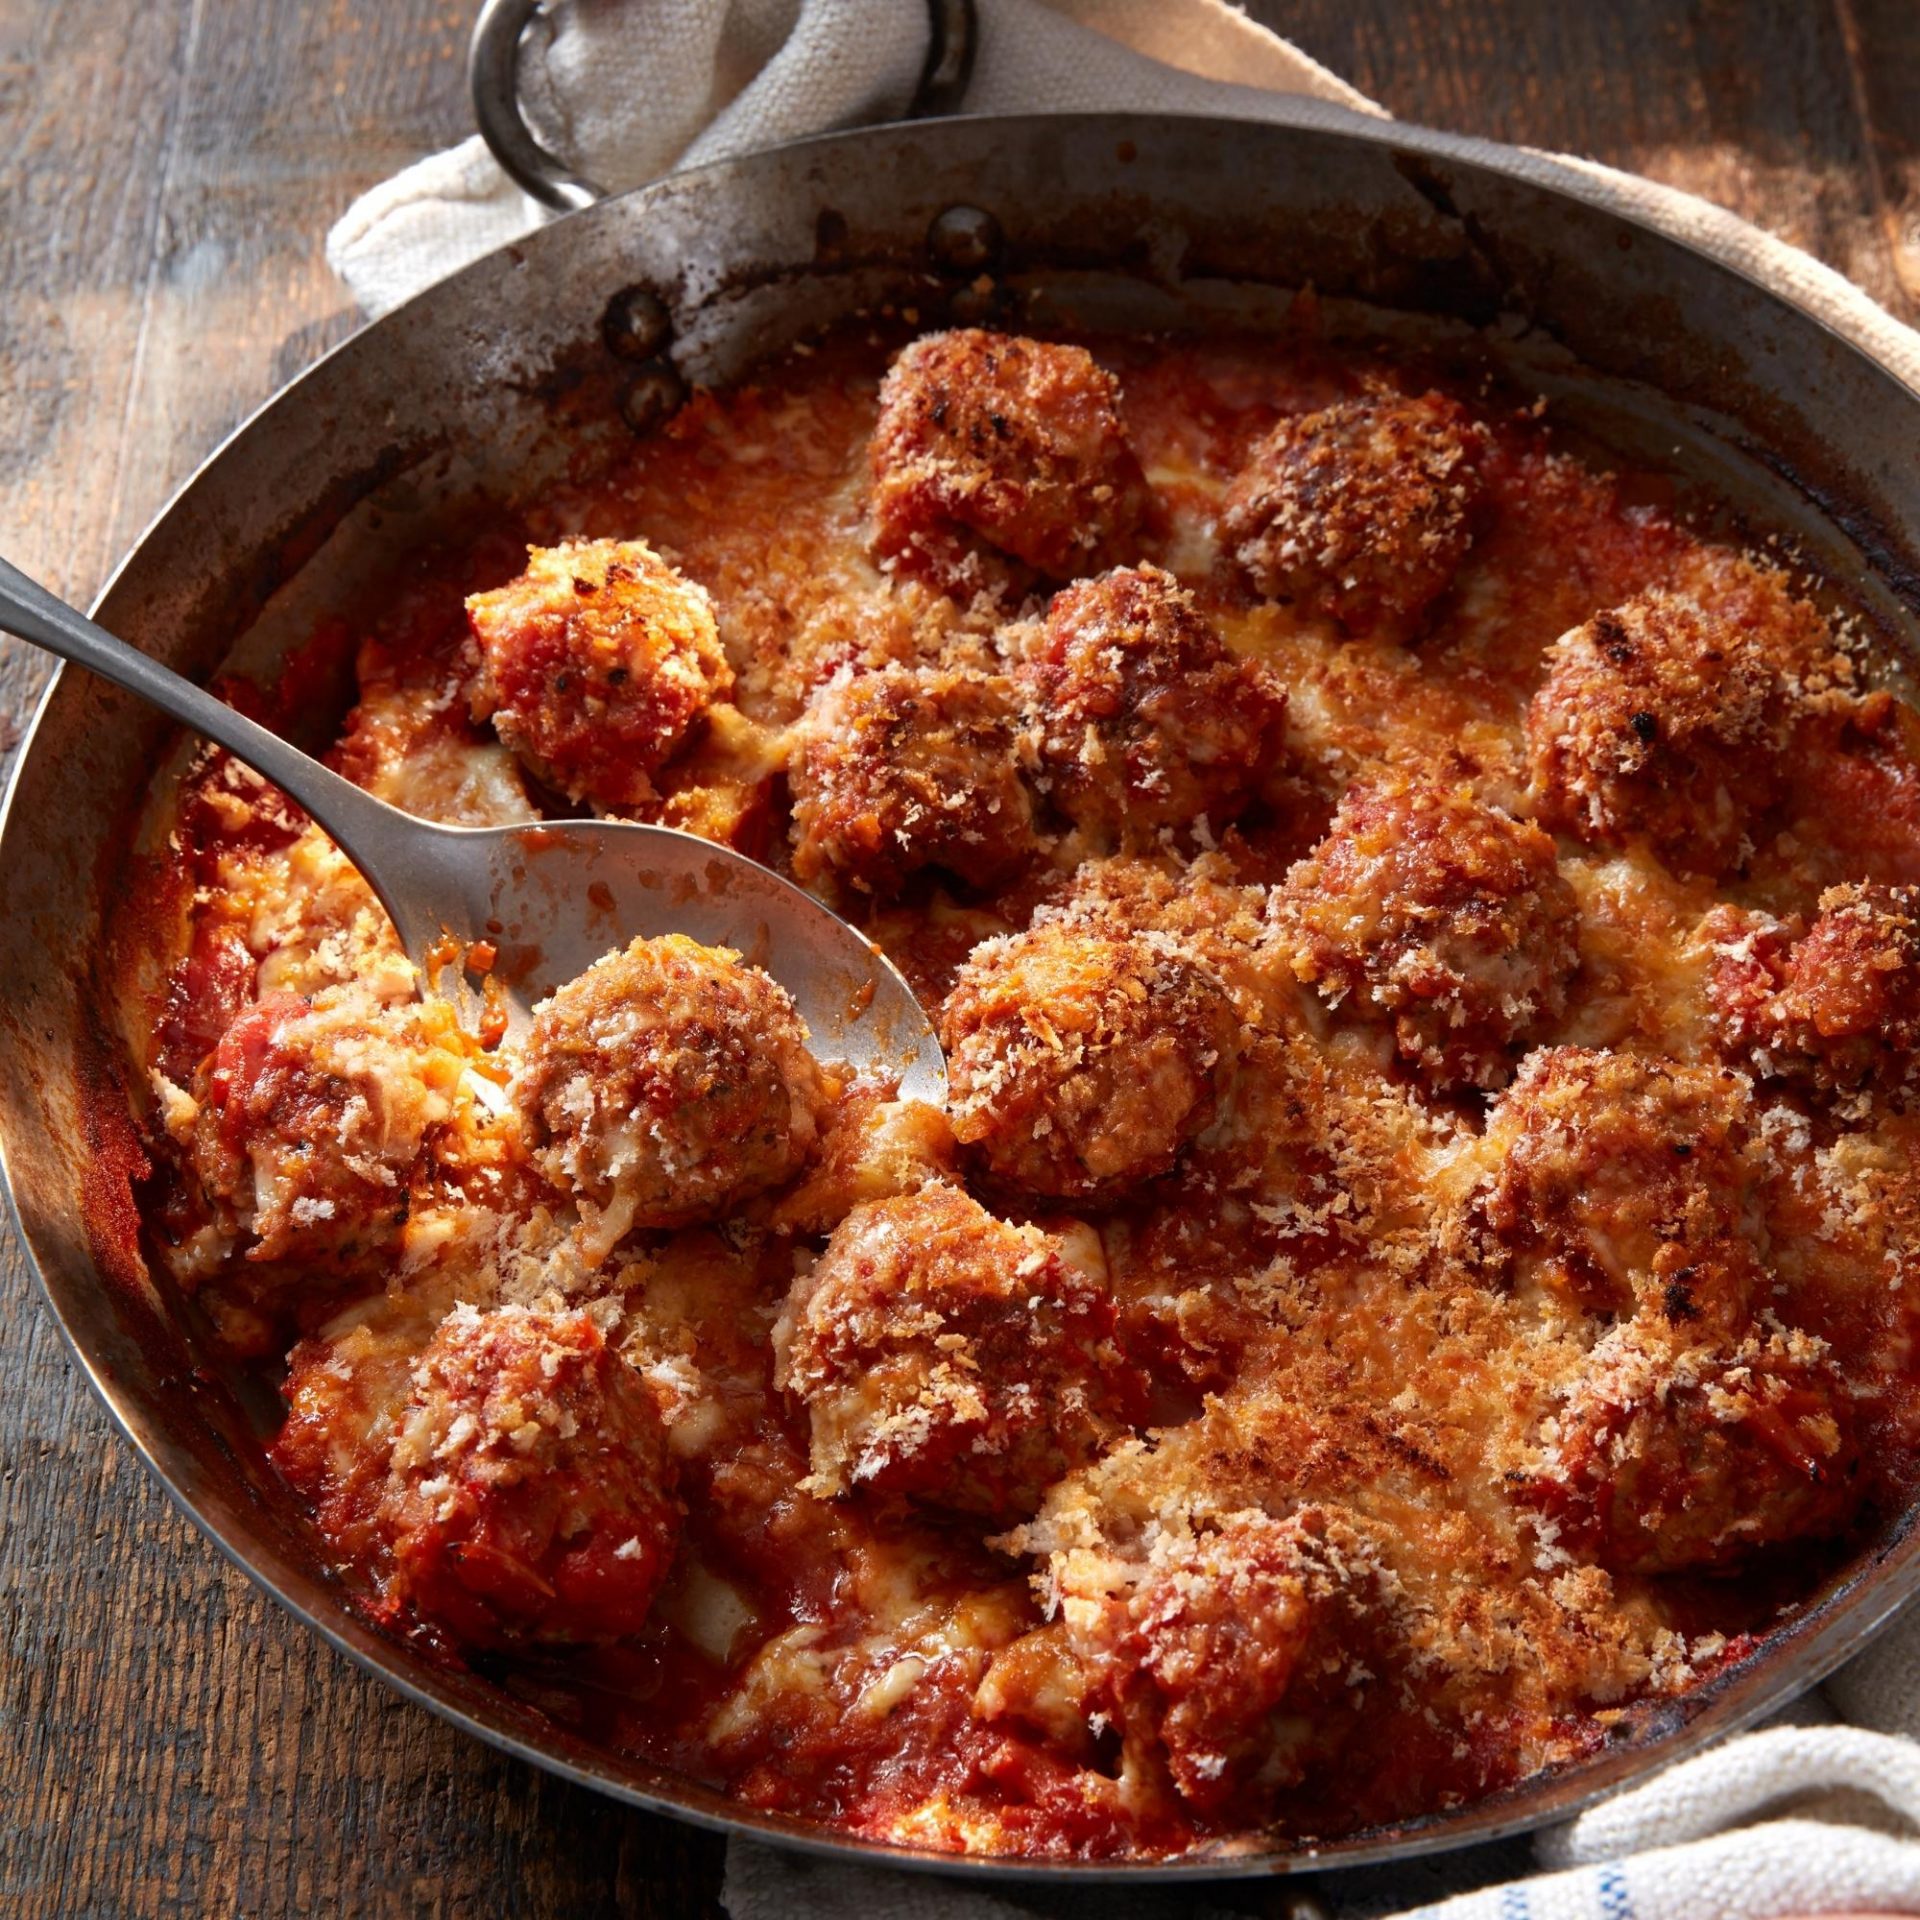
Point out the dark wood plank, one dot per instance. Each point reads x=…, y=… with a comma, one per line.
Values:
x=1884, y=50
x=82, y=211
x=169, y=1742
x=1751, y=105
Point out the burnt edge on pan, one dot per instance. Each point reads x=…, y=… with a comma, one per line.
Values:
x=1487, y=246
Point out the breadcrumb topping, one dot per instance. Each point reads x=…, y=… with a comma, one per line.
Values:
x=667, y=1084
x=1361, y=512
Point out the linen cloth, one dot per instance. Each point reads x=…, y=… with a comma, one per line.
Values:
x=626, y=90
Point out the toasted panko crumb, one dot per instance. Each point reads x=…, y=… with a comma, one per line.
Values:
x=1080, y=1061
x=669, y=1083
x=948, y=1357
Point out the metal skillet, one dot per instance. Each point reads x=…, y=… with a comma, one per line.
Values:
x=556, y=349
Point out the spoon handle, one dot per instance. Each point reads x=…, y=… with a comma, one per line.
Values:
x=362, y=825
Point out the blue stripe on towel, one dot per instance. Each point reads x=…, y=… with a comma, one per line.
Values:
x=1616, y=1902
x=1514, y=1904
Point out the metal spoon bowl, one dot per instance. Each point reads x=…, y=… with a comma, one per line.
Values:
x=549, y=898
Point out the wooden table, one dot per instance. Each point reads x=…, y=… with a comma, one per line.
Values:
x=170, y=1743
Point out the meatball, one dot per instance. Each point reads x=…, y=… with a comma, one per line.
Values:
x=1664, y=719
x=987, y=439
x=530, y=1496
x=1361, y=513
x=310, y=1120
x=1193, y=1633
x=1146, y=721
x=1625, y=1184
x=910, y=767
x=1081, y=1060
x=1836, y=1009
x=1221, y=1621
x=1667, y=1462
x=950, y=1359
x=595, y=666
x=1443, y=916
x=344, y=1391
x=667, y=1084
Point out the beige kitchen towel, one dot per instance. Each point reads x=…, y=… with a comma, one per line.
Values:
x=625, y=90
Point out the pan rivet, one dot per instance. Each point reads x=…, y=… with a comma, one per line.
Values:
x=654, y=396
x=637, y=324
x=830, y=236
x=967, y=239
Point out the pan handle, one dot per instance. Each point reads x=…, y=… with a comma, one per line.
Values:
x=493, y=62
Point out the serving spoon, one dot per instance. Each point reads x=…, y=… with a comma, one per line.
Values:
x=550, y=897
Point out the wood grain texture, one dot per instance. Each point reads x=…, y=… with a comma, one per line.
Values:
x=169, y=1742
x=1882, y=39
x=1762, y=108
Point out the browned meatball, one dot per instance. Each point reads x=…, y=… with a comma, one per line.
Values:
x=1428, y=909
x=1627, y=1184
x=1194, y=1634
x=1669, y=1461
x=1146, y=721
x=344, y=1390
x=311, y=1119
x=1837, y=1008
x=667, y=1084
x=910, y=767
x=1664, y=719
x=1081, y=1061
x=991, y=439
x=1222, y=1621
x=948, y=1358
x=1361, y=513
x=595, y=665
x=530, y=1496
